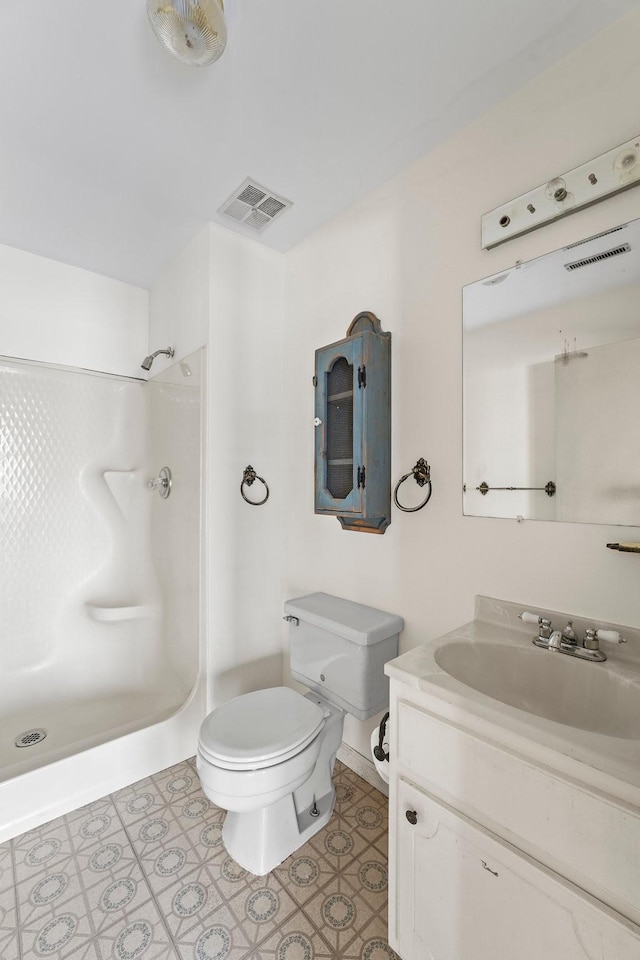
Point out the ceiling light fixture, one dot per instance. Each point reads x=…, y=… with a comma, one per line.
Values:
x=193, y=31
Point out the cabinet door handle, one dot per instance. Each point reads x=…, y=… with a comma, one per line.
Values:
x=412, y=817
x=486, y=867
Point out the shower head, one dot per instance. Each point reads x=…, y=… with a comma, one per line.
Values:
x=146, y=363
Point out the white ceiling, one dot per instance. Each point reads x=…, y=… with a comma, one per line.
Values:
x=113, y=154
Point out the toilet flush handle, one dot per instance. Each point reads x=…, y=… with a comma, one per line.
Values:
x=292, y=620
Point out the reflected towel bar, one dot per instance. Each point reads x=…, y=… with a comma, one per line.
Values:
x=549, y=488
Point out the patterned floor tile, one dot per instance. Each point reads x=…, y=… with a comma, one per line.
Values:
x=368, y=874
x=140, y=801
x=296, y=939
x=174, y=860
x=228, y=876
x=194, y=811
x=305, y=873
x=339, y=842
x=262, y=907
x=368, y=815
x=144, y=875
x=89, y=951
x=58, y=936
x=67, y=902
x=6, y=866
x=341, y=913
x=42, y=851
x=141, y=935
x=177, y=782
x=8, y=920
x=370, y=943
x=220, y=937
x=188, y=901
x=94, y=821
x=347, y=794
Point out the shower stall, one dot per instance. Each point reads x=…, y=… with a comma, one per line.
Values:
x=101, y=639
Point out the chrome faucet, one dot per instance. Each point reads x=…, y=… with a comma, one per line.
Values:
x=565, y=641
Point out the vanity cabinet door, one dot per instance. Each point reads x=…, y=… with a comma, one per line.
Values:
x=463, y=894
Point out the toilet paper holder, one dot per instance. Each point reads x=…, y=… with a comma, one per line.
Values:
x=379, y=751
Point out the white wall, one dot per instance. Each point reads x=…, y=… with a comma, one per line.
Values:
x=55, y=313
x=180, y=303
x=226, y=292
x=245, y=427
x=404, y=253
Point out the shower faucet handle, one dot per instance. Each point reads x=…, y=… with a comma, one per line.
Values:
x=162, y=483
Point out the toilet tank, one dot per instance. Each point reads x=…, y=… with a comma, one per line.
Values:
x=339, y=648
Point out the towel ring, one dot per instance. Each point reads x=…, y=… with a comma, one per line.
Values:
x=248, y=478
x=421, y=473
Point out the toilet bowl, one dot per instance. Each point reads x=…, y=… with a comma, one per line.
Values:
x=267, y=757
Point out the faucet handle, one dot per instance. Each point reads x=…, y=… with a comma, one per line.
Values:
x=611, y=635
x=529, y=617
x=592, y=638
x=544, y=623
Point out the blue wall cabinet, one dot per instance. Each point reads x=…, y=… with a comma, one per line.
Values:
x=353, y=427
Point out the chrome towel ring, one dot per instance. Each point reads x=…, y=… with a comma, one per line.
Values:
x=421, y=473
x=248, y=477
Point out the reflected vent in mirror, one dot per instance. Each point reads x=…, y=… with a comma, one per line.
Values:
x=596, y=236
x=598, y=257
x=254, y=206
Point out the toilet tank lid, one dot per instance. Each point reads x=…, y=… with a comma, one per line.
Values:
x=353, y=621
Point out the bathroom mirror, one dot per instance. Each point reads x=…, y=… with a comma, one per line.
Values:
x=551, y=379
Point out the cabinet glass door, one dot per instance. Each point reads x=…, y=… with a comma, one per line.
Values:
x=339, y=430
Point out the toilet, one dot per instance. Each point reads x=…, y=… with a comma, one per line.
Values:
x=267, y=757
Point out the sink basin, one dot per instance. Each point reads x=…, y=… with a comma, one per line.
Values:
x=588, y=696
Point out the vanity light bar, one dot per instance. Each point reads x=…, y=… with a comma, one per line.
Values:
x=606, y=175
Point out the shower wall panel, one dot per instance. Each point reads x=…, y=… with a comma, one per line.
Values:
x=100, y=599
x=74, y=522
x=175, y=412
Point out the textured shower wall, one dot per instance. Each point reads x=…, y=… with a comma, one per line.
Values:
x=73, y=521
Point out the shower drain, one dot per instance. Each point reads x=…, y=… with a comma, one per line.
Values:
x=30, y=737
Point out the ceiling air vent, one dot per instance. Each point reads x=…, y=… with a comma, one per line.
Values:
x=253, y=205
x=597, y=257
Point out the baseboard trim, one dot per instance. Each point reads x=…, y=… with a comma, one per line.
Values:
x=364, y=767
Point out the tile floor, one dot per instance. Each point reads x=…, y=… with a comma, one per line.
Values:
x=143, y=874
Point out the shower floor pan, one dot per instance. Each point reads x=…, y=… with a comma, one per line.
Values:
x=75, y=725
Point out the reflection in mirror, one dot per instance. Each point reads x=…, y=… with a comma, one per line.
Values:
x=551, y=353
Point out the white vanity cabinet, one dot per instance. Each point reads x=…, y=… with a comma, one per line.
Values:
x=461, y=886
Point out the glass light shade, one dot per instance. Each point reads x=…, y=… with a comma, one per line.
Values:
x=193, y=31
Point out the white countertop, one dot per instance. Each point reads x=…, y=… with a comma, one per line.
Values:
x=602, y=762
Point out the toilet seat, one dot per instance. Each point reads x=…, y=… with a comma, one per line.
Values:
x=260, y=729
